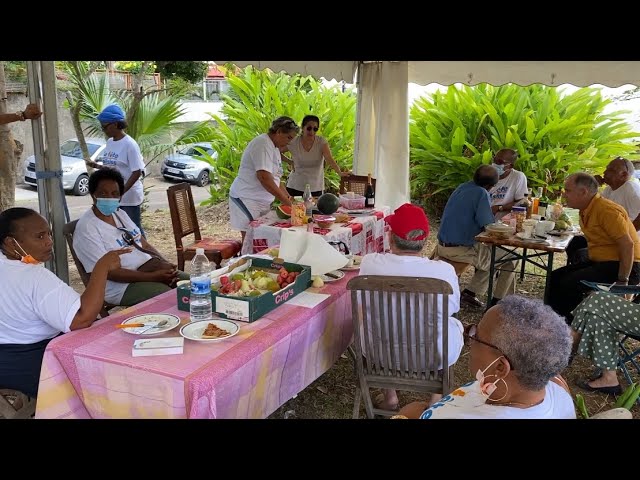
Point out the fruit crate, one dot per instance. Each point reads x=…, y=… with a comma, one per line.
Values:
x=250, y=309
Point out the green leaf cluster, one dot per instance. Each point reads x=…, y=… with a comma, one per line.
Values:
x=452, y=132
x=257, y=97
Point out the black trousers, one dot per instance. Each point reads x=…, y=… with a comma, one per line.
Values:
x=566, y=291
x=20, y=366
x=297, y=193
x=577, y=251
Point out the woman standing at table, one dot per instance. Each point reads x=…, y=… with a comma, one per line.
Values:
x=258, y=180
x=308, y=154
x=35, y=305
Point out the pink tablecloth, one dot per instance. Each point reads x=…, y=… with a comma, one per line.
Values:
x=91, y=373
x=362, y=234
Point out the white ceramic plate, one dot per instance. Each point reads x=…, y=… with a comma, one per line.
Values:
x=521, y=236
x=194, y=330
x=172, y=322
x=357, y=260
x=337, y=273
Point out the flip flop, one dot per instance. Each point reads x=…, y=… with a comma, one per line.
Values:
x=614, y=390
x=378, y=403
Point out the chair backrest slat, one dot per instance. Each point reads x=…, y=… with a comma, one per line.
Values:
x=183, y=212
x=68, y=231
x=396, y=325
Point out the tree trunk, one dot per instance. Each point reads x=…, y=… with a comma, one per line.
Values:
x=8, y=160
x=75, y=106
x=137, y=92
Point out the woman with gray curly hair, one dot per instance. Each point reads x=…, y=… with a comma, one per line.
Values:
x=258, y=179
x=517, y=352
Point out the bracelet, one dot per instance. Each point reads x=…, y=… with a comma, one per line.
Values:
x=20, y=116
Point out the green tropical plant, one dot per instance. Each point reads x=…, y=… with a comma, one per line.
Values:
x=453, y=132
x=153, y=125
x=257, y=97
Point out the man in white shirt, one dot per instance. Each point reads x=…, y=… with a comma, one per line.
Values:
x=622, y=188
x=409, y=231
x=511, y=186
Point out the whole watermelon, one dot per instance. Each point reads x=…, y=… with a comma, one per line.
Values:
x=328, y=203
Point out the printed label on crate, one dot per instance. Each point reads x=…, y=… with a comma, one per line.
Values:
x=236, y=309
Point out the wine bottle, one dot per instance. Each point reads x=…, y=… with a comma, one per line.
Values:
x=369, y=194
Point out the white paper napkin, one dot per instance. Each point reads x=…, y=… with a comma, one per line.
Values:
x=306, y=248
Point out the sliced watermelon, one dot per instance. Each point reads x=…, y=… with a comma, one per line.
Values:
x=283, y=211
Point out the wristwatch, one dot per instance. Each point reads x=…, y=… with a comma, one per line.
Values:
x=20, y=116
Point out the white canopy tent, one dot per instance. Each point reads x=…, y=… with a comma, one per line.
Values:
x=382, y=129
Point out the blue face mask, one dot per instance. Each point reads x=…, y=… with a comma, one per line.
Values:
x=107, y=206
x=500, y=168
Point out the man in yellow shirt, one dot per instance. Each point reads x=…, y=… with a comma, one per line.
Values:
x=612, y=242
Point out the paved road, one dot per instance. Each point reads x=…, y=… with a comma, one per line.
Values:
x=27, y=196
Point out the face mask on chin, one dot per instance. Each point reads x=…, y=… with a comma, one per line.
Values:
x=26, y=257
x=107, y=206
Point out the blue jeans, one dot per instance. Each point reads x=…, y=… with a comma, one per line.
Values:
x=135, y=213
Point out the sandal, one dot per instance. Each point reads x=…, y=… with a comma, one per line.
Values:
x=378, y=403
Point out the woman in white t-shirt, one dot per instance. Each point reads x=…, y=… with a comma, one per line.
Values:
x=309, y=151
x=258, y=179
x=123, y=153
x=516, y=352
x=35, y=305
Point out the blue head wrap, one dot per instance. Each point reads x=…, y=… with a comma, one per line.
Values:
x=112, y=113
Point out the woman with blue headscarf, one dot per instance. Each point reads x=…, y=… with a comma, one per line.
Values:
x=123, y=153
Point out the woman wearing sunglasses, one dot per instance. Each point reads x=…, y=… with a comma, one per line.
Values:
x=309, y=151
x=516, y=353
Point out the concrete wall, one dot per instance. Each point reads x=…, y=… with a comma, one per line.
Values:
x=22, y=130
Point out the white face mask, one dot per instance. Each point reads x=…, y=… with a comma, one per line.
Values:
x=500, y=168
x=488, y=388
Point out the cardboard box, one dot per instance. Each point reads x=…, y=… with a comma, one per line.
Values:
x=250, y=309
x=144, y=347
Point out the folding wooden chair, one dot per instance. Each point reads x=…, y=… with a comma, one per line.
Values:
x=356, y=184
x=68, y=230
x=185, y=222
x=396, y=329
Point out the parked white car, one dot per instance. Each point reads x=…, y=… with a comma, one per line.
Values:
x=184, y=165
x=74, y=171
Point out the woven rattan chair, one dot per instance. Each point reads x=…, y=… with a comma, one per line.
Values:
x=185, y=222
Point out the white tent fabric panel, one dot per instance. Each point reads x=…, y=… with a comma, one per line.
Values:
x=382, y=130
x=553, y=73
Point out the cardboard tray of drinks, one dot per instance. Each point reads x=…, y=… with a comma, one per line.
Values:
x=251, y=287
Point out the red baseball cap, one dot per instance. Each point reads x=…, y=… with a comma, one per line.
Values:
x=408, y=217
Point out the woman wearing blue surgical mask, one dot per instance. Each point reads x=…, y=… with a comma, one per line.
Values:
x=516, y=354
x=144, y=273
x=35, y=305
x=123, y=153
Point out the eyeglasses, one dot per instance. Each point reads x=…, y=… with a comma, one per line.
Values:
x=471, y=332
x=315, y=129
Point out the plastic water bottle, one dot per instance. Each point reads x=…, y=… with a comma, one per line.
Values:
x=200, y=301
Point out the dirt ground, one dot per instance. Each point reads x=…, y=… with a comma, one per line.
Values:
x=331, y=395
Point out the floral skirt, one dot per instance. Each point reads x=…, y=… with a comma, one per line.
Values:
x=600, y=318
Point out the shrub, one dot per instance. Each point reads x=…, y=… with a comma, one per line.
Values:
x=257, y=97
x=453, y=132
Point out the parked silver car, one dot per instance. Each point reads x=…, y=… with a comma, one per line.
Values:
x=184, y=165
x=74, y=170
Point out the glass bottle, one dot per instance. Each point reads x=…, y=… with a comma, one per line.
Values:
x=369, y=194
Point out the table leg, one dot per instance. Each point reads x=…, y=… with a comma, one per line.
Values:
x=548, y=279
x=523, y=262
x=492, y=271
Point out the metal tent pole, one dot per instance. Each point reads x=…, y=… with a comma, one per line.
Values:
x=55, y=192
x=33, y=79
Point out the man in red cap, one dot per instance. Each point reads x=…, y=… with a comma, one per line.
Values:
x=409, y=231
